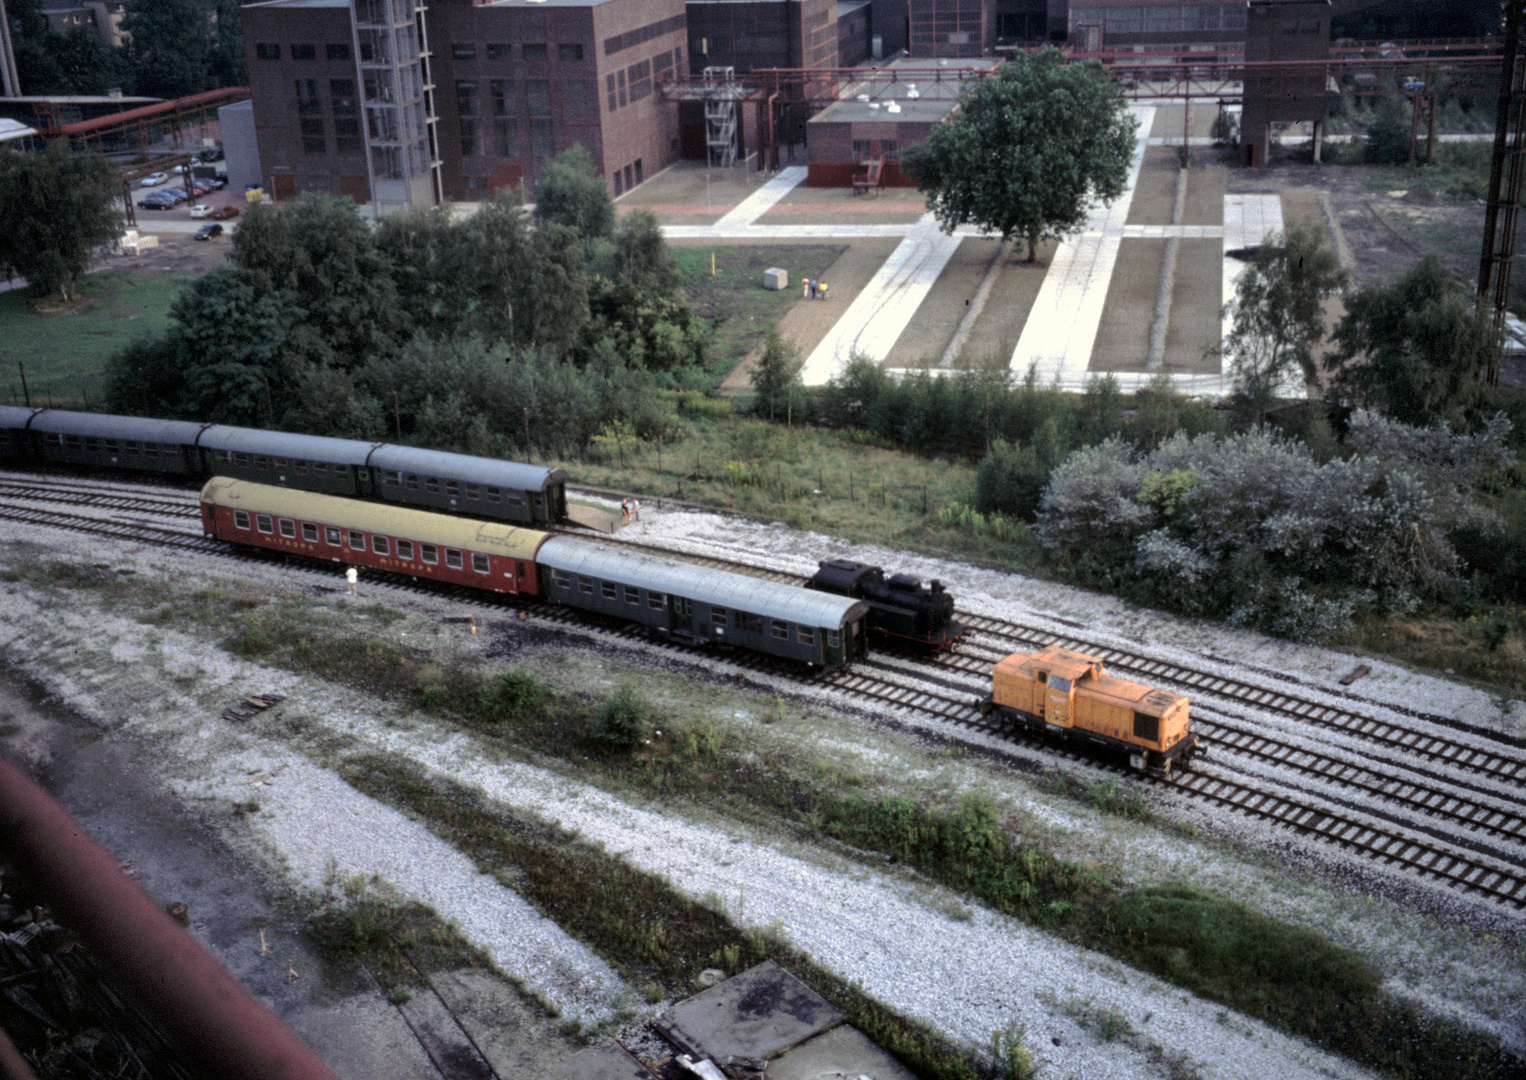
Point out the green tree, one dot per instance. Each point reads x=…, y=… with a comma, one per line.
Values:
x=1277, y=315
x=1029, y=150
x=58, y=207
x=642, y=256
x=1414, y=349
x=777, y=372
x=1388, y=135
x=571, y=193
x=170, y=46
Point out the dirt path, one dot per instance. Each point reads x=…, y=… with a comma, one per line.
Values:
x=996, y=331
x=922, y=343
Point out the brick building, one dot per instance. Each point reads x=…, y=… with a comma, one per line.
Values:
x=406, y=103
x=957, y=29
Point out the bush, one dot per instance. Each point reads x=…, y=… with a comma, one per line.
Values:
x=1388, y=134
x=623, y=719
x=511, y=694
x=1011, y=480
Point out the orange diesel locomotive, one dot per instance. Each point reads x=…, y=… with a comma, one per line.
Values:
x=1067, y=694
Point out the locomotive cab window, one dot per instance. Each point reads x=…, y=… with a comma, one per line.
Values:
x=288, y=528
x=481, y=564
x=453, y=558
x=1146, y=727
x=405, y=549
x=379, y=545
x=310, y=533
x=357, y=540
x=241, y=519
x=1059, y=685
x=1042, y=677
x=332, y=536
x=262, y=522
x=429, y=553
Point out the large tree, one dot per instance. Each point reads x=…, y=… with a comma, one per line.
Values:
x=170, y=48
x=56, y=208
x=1028, y=151
x=571, y=193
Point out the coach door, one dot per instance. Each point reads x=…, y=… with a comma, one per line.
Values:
x=682, y=612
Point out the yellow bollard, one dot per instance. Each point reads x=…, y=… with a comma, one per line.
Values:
x=712, y=264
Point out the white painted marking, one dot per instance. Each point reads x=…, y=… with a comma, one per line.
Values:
x=761, y=201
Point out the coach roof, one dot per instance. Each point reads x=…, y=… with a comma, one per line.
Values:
x=474, y=470
x=101, y=426
x=285, y=444
x=718, y=588
x=489, y=537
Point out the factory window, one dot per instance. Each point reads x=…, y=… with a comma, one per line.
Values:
x=452, y=488
x=639, y=78
x=262, y=522
x=805, y=635
x=312, y=136
x=542, y=145
x=320, y=469
x=608, y=589
x=492, y=494
x=499, y=51
x=585, y=584
x=453, y=558
x=638, y=170
x=332, y=536
x=569, y=53
x=718, y=616
x=390, y=478
x=411, y=482
x=375, y=47
x=464, y=50
x=431, y=485
x=241, y=519
x=405, y=549
x=505, y=123
x=337, y=52
x=304, y=52
x=469, y=108
x=473, y=492
x=480, y=563
x=309, y=532
x=267, y=50
x=780, y=630
x=429, y=553
x=562, y=578
x=619, y=185
x=1146, y=727
x=656, y=600
x=833, y=639
x=632, y=595
x=535, y=52
x=308, y=101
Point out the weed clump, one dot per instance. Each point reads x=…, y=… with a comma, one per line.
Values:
x=624, y=719
x=511, y=695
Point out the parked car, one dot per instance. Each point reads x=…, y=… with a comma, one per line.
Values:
x=199, y=189
x=201, y=210
x=224, y=212
x=154, y=179
x=159, y=200
x=206, y=232
x=211, y=155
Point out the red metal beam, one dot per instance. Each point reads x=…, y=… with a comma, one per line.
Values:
x=101, y=124
x=210, y=1018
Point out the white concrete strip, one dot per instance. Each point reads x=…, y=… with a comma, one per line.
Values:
x=876, y=317
x=1192, y=385
x=1062, y=325
x=1166, y=232
x=786, y=232
x=761, y=201
x=1248, y=219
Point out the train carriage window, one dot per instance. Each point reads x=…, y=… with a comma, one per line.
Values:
x=357, y=540
x=1146, y=727
x=54, y=439
x=379, y=545
x=751, y=623
x=480, y=563
x=429, y=553
x=241, y=519
x=585, y=584
x=262, y=522
x=92, y=444
x=492, y=494
x=405, y=549
x=562, y=578
x=321, y=469
x=834, y=639
x=219, y=455
x=609, y=591
x=299, y=466
x=683, y=605
x=309, y=532
x=152, y=450
x=73, y=441
x=260, y=461
x=391, y=478
x=780, y=630
x=718, y=616
x=278, y=463
x=288, y=528
x=473, y=492
x=453, y=558
x=452, y=488
x=240, y=459
x=514, y=499
x=432, y=485
x=332, y=536
x=805, y=635
x=411, y=481
x=130, y=447
x=111, y=446
x=656, y=600
x=632, y=595
x=341, y=471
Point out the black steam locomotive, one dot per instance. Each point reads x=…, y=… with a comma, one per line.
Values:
x=901, y=611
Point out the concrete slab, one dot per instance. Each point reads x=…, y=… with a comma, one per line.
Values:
x=842, y=1052
x=591, y=517
x=759, y=202
x=759, y=1013
x=363, y=1038
x=443, y=1039
x=516, y=1034
x=607, y=1061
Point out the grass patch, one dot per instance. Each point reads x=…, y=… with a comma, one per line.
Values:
x=66, y=352
x=735, y=301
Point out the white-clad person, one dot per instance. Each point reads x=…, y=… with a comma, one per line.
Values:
x=352, y=575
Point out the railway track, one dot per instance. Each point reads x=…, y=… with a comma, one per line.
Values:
x=1481, y=868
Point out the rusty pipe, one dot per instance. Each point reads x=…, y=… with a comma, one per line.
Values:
x=210, y=1019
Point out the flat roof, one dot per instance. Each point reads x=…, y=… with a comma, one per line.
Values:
x=77, y=99
x=916, y=112
x=303, y=3
x=543, y=3
x=847, y=7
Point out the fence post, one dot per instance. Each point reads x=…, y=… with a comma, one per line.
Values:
x=850, y=486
